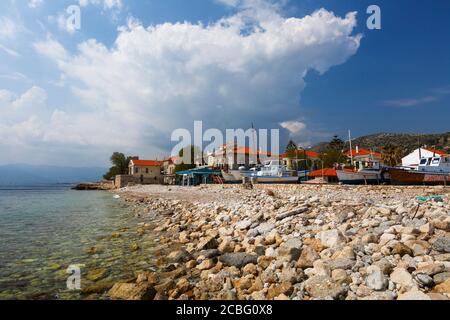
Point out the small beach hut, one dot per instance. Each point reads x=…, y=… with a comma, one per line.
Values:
x=197, y=176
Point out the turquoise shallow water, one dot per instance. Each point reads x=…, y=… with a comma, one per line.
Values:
x=45, y=229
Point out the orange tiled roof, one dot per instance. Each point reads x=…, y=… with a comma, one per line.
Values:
x=147, y=163
x=363, y=152
x=441, y=153
x=327, y=172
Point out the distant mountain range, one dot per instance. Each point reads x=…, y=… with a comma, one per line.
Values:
x=21, y=174
x=406, y=140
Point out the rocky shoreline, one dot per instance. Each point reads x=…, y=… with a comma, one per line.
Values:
x=92, y=186
x=294, y=242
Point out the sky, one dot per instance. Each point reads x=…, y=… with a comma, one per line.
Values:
x=134, y=71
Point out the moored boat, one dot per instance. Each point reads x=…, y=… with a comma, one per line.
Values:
x=431, y=171
x=412, y=177
x=274, y=171
x=364, y=176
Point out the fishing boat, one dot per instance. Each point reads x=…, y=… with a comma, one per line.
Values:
x=242, y=172
x=368, y=168
x=362, y=176
x=236, y=176
x=431, y=171
x=274, y=171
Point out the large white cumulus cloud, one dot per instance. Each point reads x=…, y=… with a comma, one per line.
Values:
x=248, y=67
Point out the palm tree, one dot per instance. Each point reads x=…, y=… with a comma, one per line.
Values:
x=392, y=155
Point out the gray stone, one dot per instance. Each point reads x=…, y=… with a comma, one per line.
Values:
x=295, y=212
x=242, y=225
x=342, y=263
x=252, y=233
x=442, y=244
x=238, y=259
x=331, y=238
x=441, y=277
x=376, y=280
x=207, y=254
x=424, y=280
x=264, y=228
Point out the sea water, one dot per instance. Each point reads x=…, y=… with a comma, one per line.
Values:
x=46, y=229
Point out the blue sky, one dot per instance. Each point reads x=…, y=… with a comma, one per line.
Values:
x=137, y=70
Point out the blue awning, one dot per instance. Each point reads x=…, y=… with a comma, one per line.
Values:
x=199, y=171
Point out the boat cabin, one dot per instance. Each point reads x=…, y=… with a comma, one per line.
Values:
x=275, y=168
x=435, y=164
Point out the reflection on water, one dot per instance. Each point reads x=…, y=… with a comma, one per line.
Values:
x=45, y=229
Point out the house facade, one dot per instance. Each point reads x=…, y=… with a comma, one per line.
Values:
x=364, y=158
x=297, y=159
x=168, y=168
x=413, y=159
x=231, y=156
x=146, y=171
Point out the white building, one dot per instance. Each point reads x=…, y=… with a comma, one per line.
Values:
x=413, y=159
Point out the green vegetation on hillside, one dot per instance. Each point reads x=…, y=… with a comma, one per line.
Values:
x=408, y=142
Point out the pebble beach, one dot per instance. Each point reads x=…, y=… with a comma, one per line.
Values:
x=292, y=242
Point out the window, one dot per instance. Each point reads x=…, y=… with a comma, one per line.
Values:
x=436, y=160
x=423, y=162
x=136, y=170
x=146, y=170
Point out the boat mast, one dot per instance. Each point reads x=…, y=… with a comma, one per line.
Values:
x=420, y=148
x=351, y=148
x=255, y=144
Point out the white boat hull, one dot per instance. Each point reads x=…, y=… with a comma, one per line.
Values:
x=361, y=177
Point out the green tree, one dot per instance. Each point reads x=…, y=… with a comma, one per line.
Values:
x=392, y=155
x=333, y=153
x=292, y=153
x=336, y=144
x=291, y=147
x=120, y=165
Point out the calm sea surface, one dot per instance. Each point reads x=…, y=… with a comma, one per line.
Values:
x=45, y=229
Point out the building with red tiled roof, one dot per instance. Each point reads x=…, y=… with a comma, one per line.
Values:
x=146, y=171
x=146, y=163
x=364, y=153
x=296, y=161
x=364, y=158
